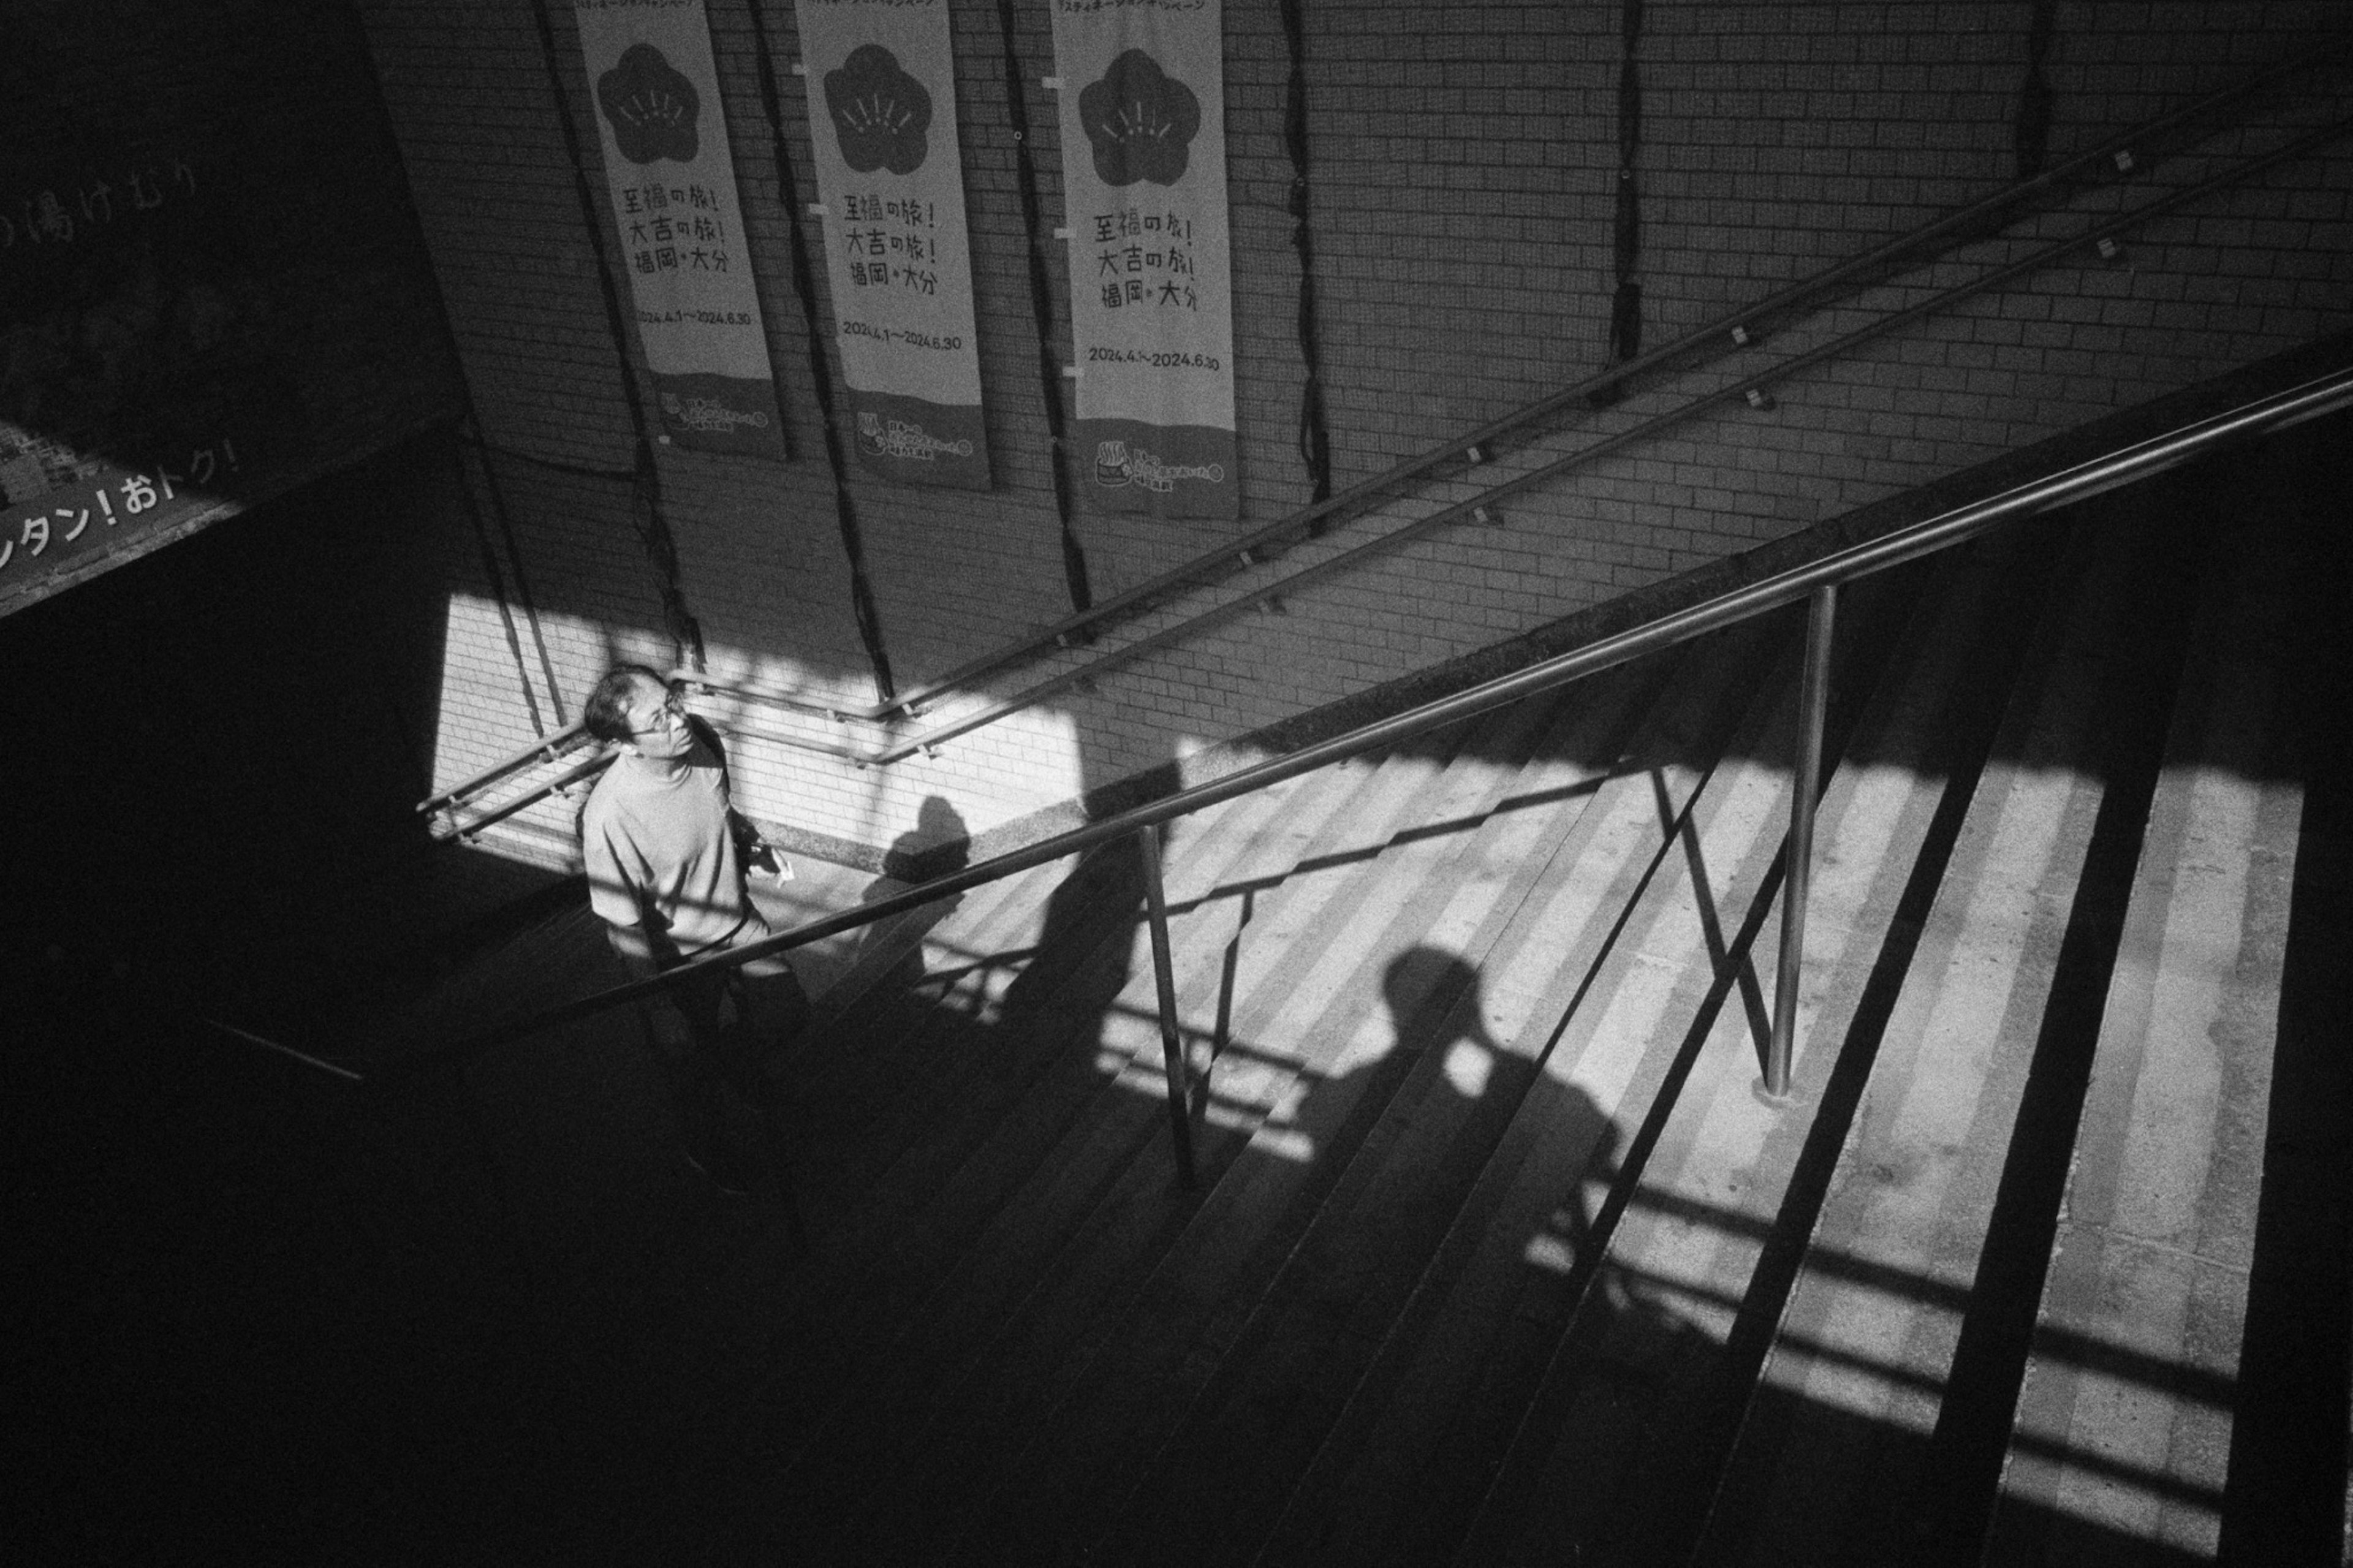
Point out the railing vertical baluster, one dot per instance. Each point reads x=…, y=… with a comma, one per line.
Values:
x=1813, y=707
x=1172, y=1043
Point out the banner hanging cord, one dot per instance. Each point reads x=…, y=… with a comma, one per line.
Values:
x=1042, y=309
x=1625, y=306
x=2031, y=136
x=1314, y=437
x=514, y=558
x=645, y=512
x=862, y=607
x=1625, y=342
x=497, y=580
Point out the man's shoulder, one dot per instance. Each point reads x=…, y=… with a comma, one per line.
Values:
x=611, y=793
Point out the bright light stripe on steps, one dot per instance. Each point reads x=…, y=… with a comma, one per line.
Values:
x=2143, y=1257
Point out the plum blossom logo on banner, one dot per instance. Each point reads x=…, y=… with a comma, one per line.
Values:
x=650, y=106
x=1142, y=122
x=881, y=114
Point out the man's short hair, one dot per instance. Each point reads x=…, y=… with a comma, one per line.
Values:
x=607, y=716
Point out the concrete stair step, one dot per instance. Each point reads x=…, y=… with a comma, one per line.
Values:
x=1499, y=1257
x=1832, y=1453
x=1170, y=1344
x=1009, y=1387
x=1407, y=1466
x=1093, y=1127
x=937, y=1176
x=863, y=1154
x=1082, y=955
x=2121, y=1440
x=1312, y=1339
x=1646, y=1341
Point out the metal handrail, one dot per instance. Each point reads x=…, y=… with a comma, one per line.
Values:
x=1733, y=331
x=552, y=748
x=562, y=783
x=1474, y=507
x=547, y=749
x=1735, y=393
x=2315, y=397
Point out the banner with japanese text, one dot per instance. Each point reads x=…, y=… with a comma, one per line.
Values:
x=882, y=124
x=113, y=442
x=63, y=512
x=672, y=177
x=1144, y=180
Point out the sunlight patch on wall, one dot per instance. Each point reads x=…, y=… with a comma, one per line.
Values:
x=497, y=699
x=484, y=713
x=510, y=678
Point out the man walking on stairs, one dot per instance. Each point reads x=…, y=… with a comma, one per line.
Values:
x=665, y=852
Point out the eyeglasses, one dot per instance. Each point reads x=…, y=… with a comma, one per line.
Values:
x=673, y=711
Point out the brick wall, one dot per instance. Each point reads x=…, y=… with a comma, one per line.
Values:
x=1462, y=166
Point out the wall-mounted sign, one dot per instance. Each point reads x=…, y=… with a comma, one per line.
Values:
x=139, y=386
x=1144, y=181
x=882, y=123
x=670, y=174
x=62, y=512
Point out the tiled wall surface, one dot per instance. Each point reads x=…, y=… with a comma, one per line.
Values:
x=1461, y=165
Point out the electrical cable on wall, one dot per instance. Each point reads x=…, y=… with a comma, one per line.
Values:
x=466, y=431
x=1314, y=437
x=1041, y=309
x=2031, y=135
x=645, y=512
x=862, y=605
x=497, y=586
x=514, y=559
x=1626, y=298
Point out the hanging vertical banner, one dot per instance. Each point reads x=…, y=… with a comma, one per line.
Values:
x=1144, y=180
x=882, y=123
x=671, y=176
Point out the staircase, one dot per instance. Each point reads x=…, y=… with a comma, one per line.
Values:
x=1498, y=1254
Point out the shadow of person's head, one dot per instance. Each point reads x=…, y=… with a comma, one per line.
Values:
x=940, y=837
x=1422, y=986
x=938, y=845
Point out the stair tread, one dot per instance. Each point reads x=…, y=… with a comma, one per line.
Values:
x=1168, y=1330
x=1080, y=1145
x=935, y=1190
x=1102, y=976
x=1832, y=1446
x=1397, y=1482
x=1327, y=1313
x=1105, y=1250
x=2125, y=1415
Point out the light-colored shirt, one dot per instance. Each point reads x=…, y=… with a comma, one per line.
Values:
x=658, y=852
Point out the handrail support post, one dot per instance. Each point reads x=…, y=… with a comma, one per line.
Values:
x=1163, y=973
x=1813, y=711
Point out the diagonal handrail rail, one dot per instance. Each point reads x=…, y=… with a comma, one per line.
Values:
x=1735, y=392
x=2123, y=152
x=2310, y=399
x=1734, y=329
x=1477, y=506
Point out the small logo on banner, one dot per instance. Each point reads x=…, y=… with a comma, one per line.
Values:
x=1140, y=120
x=879, y=438
x=881, y=114
x=1117, y=465
x=708, y=414
x=651, y=105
